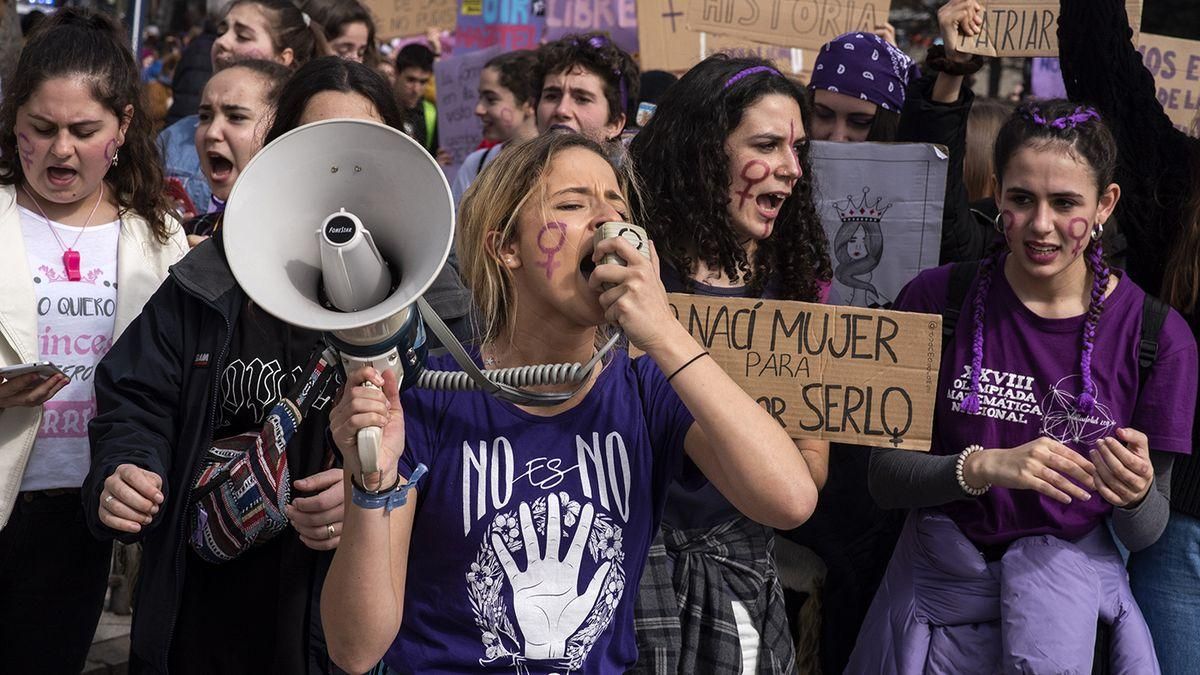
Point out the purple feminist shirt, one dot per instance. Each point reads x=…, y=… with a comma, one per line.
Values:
x=1030, y=384
x=531, y=532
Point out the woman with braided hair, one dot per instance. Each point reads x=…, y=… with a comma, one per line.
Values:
x=1043, y=429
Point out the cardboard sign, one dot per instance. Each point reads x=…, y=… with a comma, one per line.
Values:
x=807, y=24
x=511, y=24
x=1026, y=28
x=400, y=18
x=666, y=43
x=457, y=77
x=616, y=17
x=881, y=205
x=861, y=376
x=1175, y=65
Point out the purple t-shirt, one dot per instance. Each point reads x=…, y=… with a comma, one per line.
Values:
x=1029, y=386
x=531, y=532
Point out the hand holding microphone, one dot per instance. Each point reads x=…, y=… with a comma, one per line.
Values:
x=627, y=278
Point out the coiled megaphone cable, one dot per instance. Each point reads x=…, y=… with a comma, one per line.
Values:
x=504, y=383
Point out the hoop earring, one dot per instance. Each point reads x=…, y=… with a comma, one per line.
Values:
x=1097, y=231
x=996, y=223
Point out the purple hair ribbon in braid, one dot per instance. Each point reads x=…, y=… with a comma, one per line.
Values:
x=1100, y=275
x=747, y=72
x=970, y=403
x=1081, y=116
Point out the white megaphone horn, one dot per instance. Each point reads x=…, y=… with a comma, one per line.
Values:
x=340, y=226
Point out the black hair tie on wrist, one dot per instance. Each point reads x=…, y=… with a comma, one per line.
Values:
x=937, y=61
x=689, y=362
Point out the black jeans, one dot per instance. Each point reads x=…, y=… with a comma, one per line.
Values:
x=53, y=576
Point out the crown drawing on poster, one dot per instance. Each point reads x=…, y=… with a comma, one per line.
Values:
x=863, y=210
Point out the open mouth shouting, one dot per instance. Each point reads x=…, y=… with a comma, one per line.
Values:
x=221, y=170
x=769, y=204
x=60, y=176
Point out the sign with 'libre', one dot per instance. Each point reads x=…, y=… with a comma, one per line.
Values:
x=846, y=374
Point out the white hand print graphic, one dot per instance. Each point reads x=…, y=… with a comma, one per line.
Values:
x=546, y=599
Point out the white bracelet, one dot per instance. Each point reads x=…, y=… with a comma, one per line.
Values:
x=958, y=472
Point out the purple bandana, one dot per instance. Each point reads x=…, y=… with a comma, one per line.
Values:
x=865, y=66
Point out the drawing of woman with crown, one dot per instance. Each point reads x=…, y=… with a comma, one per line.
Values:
x=857, y=250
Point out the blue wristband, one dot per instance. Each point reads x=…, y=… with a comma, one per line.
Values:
x=388, y=499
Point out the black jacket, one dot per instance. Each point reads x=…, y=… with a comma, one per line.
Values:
x=192, y=73
x=965, y=235
x=157, y=397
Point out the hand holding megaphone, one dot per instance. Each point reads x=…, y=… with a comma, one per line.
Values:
x=363, y=408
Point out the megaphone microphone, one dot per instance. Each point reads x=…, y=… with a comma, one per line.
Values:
x=385, y=224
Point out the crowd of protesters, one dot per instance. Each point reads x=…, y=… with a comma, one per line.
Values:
x=651, y=521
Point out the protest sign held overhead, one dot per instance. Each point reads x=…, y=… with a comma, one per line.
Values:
x=807, y=24
x=881, y=205
x=457, y=78
x=1025, y=28
x=511, y=24
x=846, y=374
x=1175, y=65
x=667, y=43
x=616, y=17
x=400, y=18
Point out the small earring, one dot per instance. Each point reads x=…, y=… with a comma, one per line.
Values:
x=115, y=158
x=1097, y=231
x=996, y=223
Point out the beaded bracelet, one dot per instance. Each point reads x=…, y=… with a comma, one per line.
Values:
x=388, y=499
x=958, y=472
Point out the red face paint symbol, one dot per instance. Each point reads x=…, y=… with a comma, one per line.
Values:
x=550, y=263
x=795, y=156
x=751, y=179
x=1078, y=229
x=25, y=146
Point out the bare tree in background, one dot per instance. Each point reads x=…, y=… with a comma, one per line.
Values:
x=10, y=40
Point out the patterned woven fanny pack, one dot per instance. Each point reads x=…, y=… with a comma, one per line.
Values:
x=242, y=486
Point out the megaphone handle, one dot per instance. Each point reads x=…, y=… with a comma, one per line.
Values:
x=369, y=439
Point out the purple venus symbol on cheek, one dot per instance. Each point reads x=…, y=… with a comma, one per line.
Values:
x=1080, y=235
x=25, y=147
x=110, y=151
x=551, y=263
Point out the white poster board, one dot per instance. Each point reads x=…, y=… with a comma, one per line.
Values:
x=881, y=205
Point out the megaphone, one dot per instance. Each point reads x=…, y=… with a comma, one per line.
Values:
x=340, y=226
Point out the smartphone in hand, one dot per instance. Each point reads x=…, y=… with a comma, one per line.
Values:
x=43, y=368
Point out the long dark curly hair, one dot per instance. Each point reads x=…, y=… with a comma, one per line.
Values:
x=80, y=42
x=681, y=158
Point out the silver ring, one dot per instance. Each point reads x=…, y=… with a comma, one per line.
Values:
x=332, y=531
x=108, y=498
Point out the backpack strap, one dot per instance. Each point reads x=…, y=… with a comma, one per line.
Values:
x=1154, y=315
x=961, y=276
